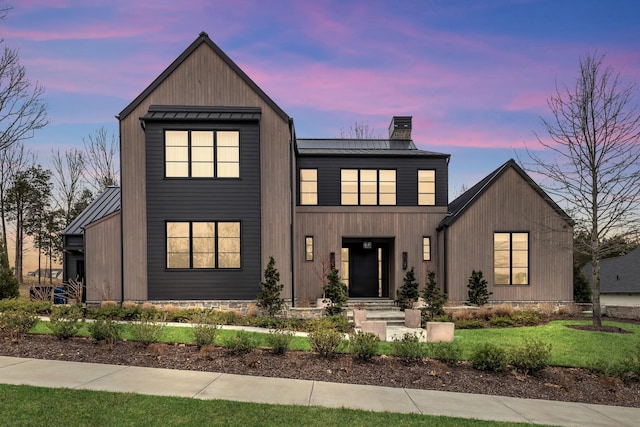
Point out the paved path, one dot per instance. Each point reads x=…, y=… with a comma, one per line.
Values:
x=211, y=385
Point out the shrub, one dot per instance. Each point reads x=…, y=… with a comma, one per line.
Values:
x=148, y=329
x=243, y=342
x=364, y=345
x=336, y=291
x=325, y=339
x=408, y=292
x=16, y=323
x=503, y=310
x=105, y=329
x=279, y=340
x=489, y=357
x=205, y=329
x=408, y=347
x=35, y=307
x=478, y=293
x=581, y=286
x=339, y=322
x=469, y=324
x=433, y=298
x=526, y=317
x=532, y=357
x=501, y=321
x=449, y=353
x=65, y=321
x=269, y=296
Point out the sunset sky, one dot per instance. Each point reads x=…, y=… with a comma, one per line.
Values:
x=475, y=75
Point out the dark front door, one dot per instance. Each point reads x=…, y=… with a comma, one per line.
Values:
x=364, y=272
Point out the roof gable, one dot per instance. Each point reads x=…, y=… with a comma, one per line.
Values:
x=203, y=38
x=461, y=204
x=106, y=203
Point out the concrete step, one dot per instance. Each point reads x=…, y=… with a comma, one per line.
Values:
x=391, y=317
x=372, y=304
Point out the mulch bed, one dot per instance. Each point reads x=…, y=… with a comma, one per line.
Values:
x=554, y=383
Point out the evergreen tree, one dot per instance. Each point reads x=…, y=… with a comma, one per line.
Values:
x=408, y=292
x=269, y=296
x=9, y=287
x=433, y=298
x=336, y=291
x=478, y=293
x=581, y=287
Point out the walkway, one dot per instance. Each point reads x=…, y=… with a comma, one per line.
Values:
x=211, y=385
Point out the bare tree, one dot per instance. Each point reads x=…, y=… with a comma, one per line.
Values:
x=68, y=170
x=594, y=137
x=359, y=130
x=100, y=156
x=22, y=110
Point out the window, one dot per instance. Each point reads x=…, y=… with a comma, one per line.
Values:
x=202, y=154
x=426, y=187
x=368, y=187
x=308, y=248
x=198, y=245
x=308, y=186
x=511, y=258
x=426, y=248
x=344, y=266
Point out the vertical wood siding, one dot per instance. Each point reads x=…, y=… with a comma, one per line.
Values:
x=205, y=79
x=512, y=205
x=328, y=225
x=102, y=259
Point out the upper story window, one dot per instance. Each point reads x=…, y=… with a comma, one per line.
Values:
x=427, y=187
x=197, y=245
x=308, y=186
x=202, y=154
x=368, y=186
x=511, y=258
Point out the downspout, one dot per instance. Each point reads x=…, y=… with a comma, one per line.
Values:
x=121, y=216
x=445, y=261
x=293, y=205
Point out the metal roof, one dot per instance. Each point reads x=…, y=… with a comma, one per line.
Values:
x=106, y=203
x=620, y=275
x=359, y=147
x=167, y=113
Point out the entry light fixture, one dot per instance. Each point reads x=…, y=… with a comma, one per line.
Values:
x=366, y=245
x=404, y=260
x=332, y=259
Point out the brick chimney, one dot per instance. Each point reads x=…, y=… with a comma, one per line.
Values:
x=400, y=128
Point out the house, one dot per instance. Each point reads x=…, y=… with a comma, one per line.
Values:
x=619, y=284
x=215, y=181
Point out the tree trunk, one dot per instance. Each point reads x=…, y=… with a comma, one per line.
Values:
x=595, y=293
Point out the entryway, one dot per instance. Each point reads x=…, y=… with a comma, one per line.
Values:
x=365, y=266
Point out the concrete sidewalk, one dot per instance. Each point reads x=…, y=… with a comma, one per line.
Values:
x=211, y=385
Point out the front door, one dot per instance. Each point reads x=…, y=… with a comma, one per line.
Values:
x=367, y=267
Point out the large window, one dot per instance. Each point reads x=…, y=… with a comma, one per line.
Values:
x=511, y=258
x=308, y=186
x=202, y=154
x=426, y=187
x=197, y=245
x=368, y=187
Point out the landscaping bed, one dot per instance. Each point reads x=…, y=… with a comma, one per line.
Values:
x=553, y=383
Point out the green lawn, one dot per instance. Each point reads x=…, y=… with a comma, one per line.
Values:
x=36, y=406
x=570, y=347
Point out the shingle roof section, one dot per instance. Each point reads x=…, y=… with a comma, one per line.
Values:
x=106, y=203
x=458, y=206
x=376, y=147
x=618, y=275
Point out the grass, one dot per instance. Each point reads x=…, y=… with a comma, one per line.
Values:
x=570, y=347
x=35, y=406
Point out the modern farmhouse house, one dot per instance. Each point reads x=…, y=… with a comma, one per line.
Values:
x=215, y=181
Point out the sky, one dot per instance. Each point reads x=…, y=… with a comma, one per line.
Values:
x=475, y=75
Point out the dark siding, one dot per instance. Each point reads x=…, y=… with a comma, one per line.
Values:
x=200, y=200
x=406, y=176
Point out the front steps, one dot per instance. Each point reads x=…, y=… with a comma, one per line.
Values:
x=377, y=309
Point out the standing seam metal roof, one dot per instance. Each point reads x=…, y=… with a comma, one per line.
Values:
x=379, y=147
x=106, y=203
